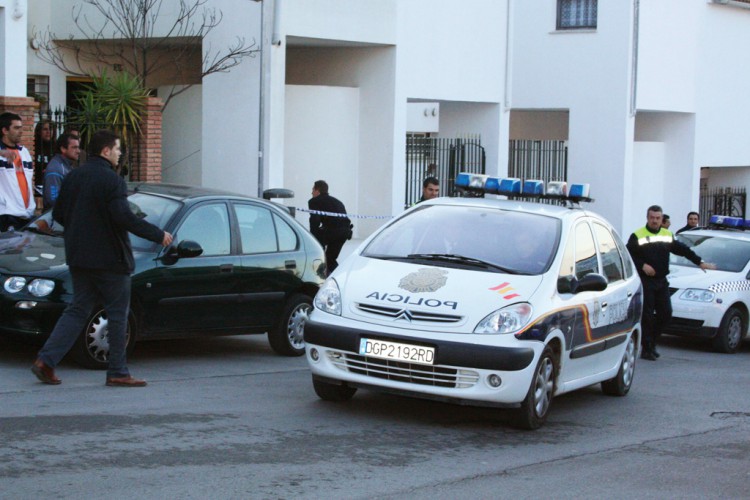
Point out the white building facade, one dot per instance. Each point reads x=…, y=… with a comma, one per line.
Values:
x=647, y=94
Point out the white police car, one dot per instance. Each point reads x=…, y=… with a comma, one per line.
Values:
x=713, y=304
x=485, y=302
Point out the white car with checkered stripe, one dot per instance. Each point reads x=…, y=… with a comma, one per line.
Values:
x=712, y=304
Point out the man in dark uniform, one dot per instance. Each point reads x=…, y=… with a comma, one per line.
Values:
x=93, y=207
x=693, y=218
x=650, y=247
x=330, y=230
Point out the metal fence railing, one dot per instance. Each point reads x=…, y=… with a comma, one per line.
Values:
x=443, y=158
x=730, y=201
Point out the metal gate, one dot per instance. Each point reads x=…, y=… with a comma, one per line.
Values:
x=541, y=160
x=729, y=201
x=442, y=158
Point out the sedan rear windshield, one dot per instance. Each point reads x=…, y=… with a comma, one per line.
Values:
x=728, y=254
x=470, y=237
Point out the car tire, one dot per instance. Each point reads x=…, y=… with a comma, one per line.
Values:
x=287, y=338
x=731, y=331
x=333, y=392
x=620, y=384
x=91, y=349
x=535, y=407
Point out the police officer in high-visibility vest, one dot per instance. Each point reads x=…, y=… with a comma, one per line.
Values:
x=650, y=247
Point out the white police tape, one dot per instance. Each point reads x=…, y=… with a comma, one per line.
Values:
x=335, y=214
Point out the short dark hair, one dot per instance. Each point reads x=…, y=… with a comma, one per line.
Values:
x=430, y=180
x=100, y=140
x=7, y=119
x=693, y=213
x=654, y=208
x=665, y=217
x=64, y=141
x=321, y=187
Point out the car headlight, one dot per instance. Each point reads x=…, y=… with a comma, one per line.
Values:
x=507, y=320
x=697, y=295
x=41, y=287
x=328, y=298
x=15, y=284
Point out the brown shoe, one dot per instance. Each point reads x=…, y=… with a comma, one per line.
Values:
x=128, y=381
x=45, y=373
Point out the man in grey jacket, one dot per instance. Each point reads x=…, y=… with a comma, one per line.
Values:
x=68, y=151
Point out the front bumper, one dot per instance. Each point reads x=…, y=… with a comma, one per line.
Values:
x=695, y=319
x=36, y=322
x=461, y=372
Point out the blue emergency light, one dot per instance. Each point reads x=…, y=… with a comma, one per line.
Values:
x=513, y=187
x=728, y=222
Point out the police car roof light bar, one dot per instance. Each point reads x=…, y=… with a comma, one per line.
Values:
x=724, y=221
x=513, y=187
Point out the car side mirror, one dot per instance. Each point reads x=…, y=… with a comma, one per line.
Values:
x=184, y=250
x=188, y=248
x=592, y=282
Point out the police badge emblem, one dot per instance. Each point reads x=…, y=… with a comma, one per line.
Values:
x=425, y=280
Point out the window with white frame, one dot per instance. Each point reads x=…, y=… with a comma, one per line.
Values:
x=576, y=14
x=37, y=86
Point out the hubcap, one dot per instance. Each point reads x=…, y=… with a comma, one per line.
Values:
x=296, y=327
x=734, y=332
x=628, y=363
x=543, y=387
x=97, y=337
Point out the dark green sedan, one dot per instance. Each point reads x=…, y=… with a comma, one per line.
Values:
x=237, y=265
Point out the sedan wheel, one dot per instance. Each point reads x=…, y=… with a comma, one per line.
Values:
x=91, y=349
x=288, y=336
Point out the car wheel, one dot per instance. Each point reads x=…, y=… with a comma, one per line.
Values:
x=536, y=405
x=620, y=384
x=731, y=330
x=287, y=338
x=91, y=349
x=333, y=392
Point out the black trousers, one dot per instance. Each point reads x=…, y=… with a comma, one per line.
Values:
x=333, y=240
x=657, y=310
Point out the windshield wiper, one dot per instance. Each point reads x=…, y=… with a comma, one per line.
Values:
x=450, y=257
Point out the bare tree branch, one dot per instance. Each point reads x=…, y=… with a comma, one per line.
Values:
x=124, y=33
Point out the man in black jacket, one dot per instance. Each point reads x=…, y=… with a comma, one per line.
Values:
x=330, y=230
x=650, y=247
x=93, y=208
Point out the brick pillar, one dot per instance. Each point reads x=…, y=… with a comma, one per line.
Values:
x=148, y=166
x=26, y=107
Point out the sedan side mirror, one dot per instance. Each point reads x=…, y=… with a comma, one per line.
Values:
x=189, y=248
x=184, y=250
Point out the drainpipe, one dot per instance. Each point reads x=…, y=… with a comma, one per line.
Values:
x=634, y=60
x=261, y=99
x=508, y=52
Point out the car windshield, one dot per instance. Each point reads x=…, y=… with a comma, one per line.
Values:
x=154, y=209
x=470, y=237
x=728, y=254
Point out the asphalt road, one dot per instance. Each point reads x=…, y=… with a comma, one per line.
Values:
x=227, y=418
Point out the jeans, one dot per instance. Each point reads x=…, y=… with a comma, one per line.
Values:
x=93, y=288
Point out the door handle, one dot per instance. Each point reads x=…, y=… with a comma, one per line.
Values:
x=604, y=305
x=290, y=264
x=226, y=268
